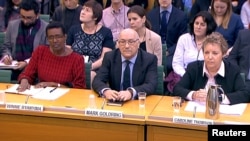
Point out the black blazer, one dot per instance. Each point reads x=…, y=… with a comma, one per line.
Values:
x=232, y=83
x=144, y=72
x=240, y=54
x=177, y=25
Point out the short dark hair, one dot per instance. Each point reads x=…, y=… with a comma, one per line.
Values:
x=55, y=24
x=141, y=12
x=28, y=5
x=208, y=19
x=96, y=8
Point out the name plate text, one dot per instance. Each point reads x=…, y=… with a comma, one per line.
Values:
x=27, y=107
x=103, y=113
x=188, y=120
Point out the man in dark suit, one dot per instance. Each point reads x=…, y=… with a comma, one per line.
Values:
x=109, y=81
x=199, y=5
x=176, y=26
x=240, y=53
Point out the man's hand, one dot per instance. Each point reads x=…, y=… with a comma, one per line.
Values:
x=111, y=94
x=7, y=60
x=124, y=95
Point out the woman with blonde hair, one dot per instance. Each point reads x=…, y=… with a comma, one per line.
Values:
x=228, y=23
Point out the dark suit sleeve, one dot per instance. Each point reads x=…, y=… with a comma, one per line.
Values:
x=233, y=55
x=182, y=88
x=101, y=78
x=194, y=10
x=150, y=78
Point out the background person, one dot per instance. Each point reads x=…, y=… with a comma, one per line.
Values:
x=149, y=40
x=90, y=39
x=23, y=36
x=68, y=13
x=189, y=45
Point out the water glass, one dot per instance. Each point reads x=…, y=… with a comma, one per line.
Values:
x=2, y=97
x=142, y=99
x=176, y=103
x=92, y=104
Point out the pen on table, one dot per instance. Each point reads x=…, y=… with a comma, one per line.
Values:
x=103, y=103
x=53, y=90
x=27, y=98
x=194, y=112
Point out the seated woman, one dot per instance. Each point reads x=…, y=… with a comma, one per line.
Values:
x=149, y=40
x=68, y=13
x=90, y=39
x=54, y=65
x=188, y=48
x=213, y=70
x=228, y=23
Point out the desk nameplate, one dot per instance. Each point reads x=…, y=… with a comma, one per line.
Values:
x=27, y=107
x=189, y=120
x=103, y=113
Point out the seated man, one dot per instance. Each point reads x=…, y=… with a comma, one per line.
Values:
x=23, y=36
x=54, y=65
x=240, y=54
x=126, y=70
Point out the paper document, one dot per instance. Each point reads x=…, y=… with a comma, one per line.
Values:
x=31, y=91
x=236, y=109
x=47, y=93
x=13, y=65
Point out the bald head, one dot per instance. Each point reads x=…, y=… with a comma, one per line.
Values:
x=128, y=43
x=129, y=31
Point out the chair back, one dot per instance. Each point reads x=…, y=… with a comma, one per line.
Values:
x=88, y=75
x=45, y=17
x=160, y=86
x=2, y=36
x=5, y=76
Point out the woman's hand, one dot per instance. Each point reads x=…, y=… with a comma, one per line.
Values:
x=200, y=95
x=23, y=85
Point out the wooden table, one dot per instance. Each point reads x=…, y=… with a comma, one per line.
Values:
x=59, y=123
x=161, y=128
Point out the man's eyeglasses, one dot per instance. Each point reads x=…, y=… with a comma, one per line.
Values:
x=56, y=37
x=29, y=18
x=130, y=42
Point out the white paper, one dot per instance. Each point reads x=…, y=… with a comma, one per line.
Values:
x=31, y=91
x=47, y=95
x=13, y=65
x=39, y=93
x=236, y=109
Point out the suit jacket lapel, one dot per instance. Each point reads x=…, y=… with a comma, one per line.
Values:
x=137, y=68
